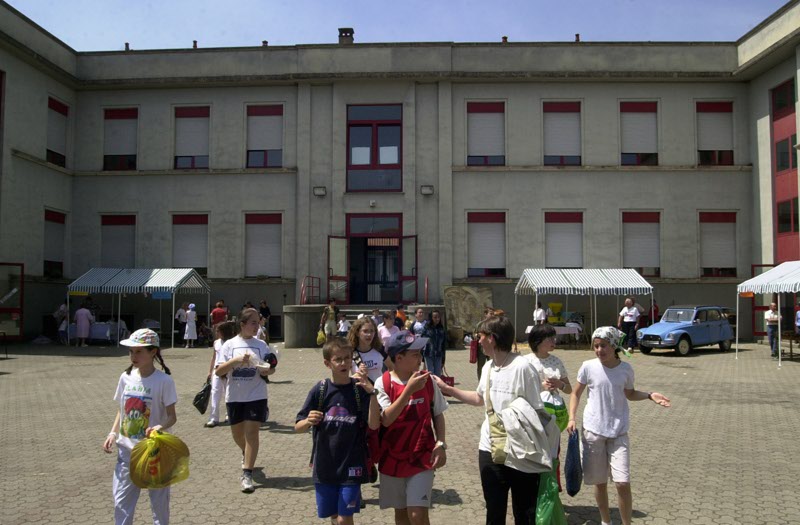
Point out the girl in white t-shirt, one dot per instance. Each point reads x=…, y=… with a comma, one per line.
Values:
x=146, y=398
x=606, y=448
x=245, y=360
x=224, y=331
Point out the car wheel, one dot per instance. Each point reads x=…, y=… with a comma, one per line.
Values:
x=644, y=349
x=725, y=345
x=684, y=347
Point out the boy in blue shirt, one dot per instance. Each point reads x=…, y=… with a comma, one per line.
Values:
x=339, y=410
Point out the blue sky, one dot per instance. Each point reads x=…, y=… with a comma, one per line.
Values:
x=95, y=25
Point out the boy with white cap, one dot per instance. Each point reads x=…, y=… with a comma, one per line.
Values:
x=606, y=419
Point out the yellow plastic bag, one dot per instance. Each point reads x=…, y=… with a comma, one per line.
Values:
x=321, y=338
x=159, y=461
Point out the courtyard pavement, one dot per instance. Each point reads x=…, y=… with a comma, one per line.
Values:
x=726, y=452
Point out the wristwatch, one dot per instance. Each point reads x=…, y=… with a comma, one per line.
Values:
x=441, y=444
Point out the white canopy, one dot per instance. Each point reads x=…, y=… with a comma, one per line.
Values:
x=583, y=281
x=784, y=278
x=140, y=280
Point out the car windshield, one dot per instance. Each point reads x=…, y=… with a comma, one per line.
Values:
x=678, y=315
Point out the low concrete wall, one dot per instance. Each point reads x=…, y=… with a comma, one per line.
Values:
x=301, y=324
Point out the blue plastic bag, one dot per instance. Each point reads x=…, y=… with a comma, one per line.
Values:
x=573, y=471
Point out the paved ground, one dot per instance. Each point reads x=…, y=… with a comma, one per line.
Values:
x=724, y=453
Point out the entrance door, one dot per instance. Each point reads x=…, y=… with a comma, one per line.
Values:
x=408, y=277
x=382, y=272
x=338, y=269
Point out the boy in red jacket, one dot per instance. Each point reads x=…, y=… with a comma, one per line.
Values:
x=413, y=442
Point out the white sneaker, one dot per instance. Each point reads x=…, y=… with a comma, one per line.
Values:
x=247, y=483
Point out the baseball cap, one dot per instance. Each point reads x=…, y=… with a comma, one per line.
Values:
x=142, y=337
x=403, y=341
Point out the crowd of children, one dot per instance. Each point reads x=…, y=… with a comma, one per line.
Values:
x=381, y=411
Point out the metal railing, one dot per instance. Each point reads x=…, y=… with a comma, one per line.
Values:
x=309, y=290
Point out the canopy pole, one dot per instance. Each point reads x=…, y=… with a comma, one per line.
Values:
x=779, y=331
x=737, y=325
x=160, y=320
x=112, y=316
x=69, y=321
x=119, y=316
x=172, y=326
x=594, y=297
x=516, y=326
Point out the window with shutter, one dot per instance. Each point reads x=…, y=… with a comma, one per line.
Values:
x=190, y=242
x=562, y=133
x=120, y=139
x=118, y=241
x=718, y=244
x=715, y=133
x=263, y=243
x=486, y=130
x=563, y=239
x=191, y=137
x=57, y=114
x=641, y=243
x=55, y=232
x=265, y=136
x=486, y=244
x=639, y=133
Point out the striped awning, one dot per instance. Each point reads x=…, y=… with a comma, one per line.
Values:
x=136, y=280
x=588, y=281
x=784, y=278
x=93, y=280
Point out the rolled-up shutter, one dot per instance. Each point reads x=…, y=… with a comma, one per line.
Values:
x=119, y=135
x=564, y=239
x=641, y=243
x=485, y=128
x=57, y=113
x=639, y=124
x=714, y=126
x=264, y=128
x=486, y=240
x=562, y=128
x=190, y=241
x=55, y=231
x=263, y=238
x=718, y=240
x=118, y=241
x=191, y=131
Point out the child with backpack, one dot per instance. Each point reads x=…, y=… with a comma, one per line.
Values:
x=413, y=441
x=339, y=410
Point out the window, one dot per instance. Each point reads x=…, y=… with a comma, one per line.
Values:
x=55, y=231
x=265, y=136
x=784, y=98
x=718, y=244
x=788, y=216
x=263, y=244
x=191, y=137
x=715, y=133
x=486, y=244
x=190, y=242
x=783, y=155
x=57, y=113
x=486, y=130
x=374, y=148
x=118, y=241
x=641, y=243
x=119, y=139
x=563, y=239
x=562, y=133
x=639, y=124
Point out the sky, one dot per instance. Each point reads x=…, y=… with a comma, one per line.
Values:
x=105, y=25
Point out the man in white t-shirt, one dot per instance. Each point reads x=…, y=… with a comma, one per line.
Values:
x=628, y=318
x=539, y=314
x=771, y=318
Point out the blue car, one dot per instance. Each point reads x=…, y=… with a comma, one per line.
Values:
x=686, y=327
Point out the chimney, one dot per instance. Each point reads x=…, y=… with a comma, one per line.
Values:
x=577, y=37
x=264, y=43
x=505, y=40
x=346, y=35
x=127, y=46
x=194, y=44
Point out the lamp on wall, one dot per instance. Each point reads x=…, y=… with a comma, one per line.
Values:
x=320, y=191
x=426, y=189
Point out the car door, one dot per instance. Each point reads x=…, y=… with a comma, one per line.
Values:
x=700, y=331
x=714, y=320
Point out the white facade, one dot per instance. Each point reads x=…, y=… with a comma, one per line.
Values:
x=433, y=84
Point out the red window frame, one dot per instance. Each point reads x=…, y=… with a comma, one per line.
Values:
x=53, y=157
x=485, y=107
x=54, y=269
x=263, y=218
x=264, y=110
x=787, y=89
x=486, y=217
x=118, y=220
x=641, y=159
x=563, y=216
x=195, y=218
x=374, y=150
x=120, y=162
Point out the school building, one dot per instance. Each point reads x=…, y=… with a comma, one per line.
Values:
x=386, y=171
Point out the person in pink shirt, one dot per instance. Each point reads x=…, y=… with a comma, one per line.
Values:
x=83, y=321
x=387, y=329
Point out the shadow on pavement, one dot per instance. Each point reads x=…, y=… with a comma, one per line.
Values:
x=271, y=426
x=446, y=497
x=589, y=515
x=68, y=351
x=299, y=483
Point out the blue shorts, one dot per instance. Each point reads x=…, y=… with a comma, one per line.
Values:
x=341, y=500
